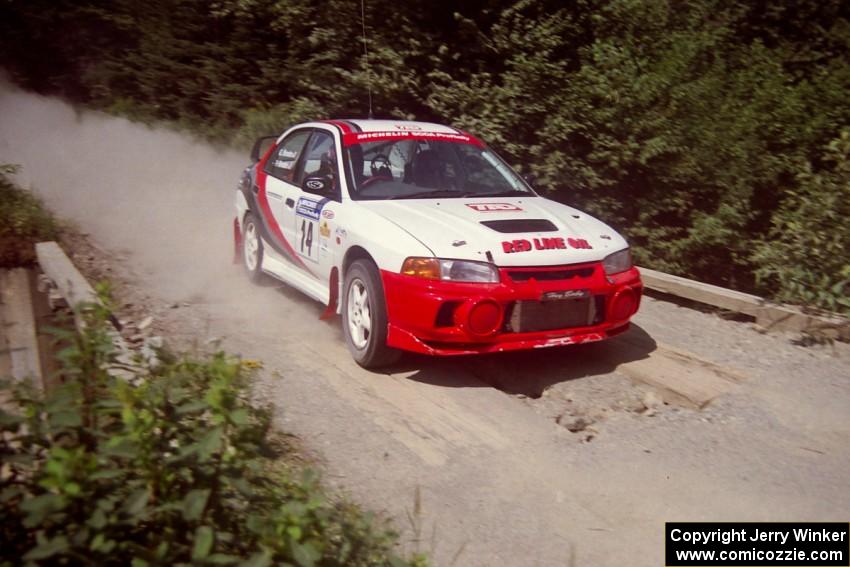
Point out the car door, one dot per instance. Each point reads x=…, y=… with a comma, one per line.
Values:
x=316, y=209
x=282, y=193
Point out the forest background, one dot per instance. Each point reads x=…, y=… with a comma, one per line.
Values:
x=714, y=134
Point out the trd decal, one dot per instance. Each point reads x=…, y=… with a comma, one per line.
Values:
x=556, y=243
x=492, y=207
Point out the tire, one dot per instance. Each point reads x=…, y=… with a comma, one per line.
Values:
x=252, y=248
x=364, y=318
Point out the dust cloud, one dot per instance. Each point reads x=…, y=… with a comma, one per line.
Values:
x=159, y=197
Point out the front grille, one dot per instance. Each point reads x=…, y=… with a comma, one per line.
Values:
x=512, y=226
x=531, y=316
x=550, y=275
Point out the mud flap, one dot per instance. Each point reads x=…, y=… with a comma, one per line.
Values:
x=237, y=242
x=333, y=300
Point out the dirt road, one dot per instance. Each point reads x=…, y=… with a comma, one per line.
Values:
x=543, y=458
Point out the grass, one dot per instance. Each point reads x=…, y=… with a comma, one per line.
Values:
x=24, y=220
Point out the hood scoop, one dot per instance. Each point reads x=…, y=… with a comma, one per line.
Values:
x=512, y=226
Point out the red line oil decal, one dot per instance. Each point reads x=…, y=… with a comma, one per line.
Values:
x=493, y=207
x=363, y=137
x=555, y=243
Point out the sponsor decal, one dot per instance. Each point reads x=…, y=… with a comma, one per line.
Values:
x=554, y=243
x=407, y=127
x=328, y=214
x=363, y=137
x=309, y=208
x=493, y=207
x=564, y=341
x=561, y=341
x=566, y=294
x=315, y=184
x=324, y=229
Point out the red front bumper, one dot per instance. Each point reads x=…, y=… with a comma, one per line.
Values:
x=446, y=318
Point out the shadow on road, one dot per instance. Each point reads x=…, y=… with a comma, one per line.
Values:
x=529, y=372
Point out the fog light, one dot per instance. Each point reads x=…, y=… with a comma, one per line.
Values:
x=484, y=318
x=623, y=306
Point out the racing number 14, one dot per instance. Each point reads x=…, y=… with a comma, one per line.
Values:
x=307, y=236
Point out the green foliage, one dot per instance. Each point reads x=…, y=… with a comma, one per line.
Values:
x=805, y=257
x=270, y=121
x=683, y=124
x=23, y=222
x=171, y=467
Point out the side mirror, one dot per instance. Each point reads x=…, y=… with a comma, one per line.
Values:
x=531, y=179
x=319, y=184
x=260, y=146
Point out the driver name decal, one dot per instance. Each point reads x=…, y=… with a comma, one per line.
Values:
x=554, y=243
x=493, y=207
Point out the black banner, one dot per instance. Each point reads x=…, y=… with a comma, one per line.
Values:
x=761, y=544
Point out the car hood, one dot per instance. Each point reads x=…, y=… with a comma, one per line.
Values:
x=452, y=228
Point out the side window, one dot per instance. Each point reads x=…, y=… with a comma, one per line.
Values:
x=320, y=158
x=284, y=158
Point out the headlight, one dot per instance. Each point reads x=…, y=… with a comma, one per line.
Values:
x=617, y=262
x=450, y=270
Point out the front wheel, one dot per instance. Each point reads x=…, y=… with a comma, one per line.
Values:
x=364, y=316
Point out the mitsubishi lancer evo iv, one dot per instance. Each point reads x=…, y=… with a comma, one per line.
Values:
x=424, y=240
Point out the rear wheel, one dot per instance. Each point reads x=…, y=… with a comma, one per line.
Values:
x=364, y=316
x=252, y=248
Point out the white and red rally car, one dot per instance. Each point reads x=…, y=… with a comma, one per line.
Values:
x=425, y=240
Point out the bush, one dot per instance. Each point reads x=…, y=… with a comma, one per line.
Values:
x=23, y=222
x=806, y=258
x=172, y=467
x=272, y=121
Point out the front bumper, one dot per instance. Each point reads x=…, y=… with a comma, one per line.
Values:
x=444, y=318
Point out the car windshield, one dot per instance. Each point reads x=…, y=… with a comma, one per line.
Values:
x=425, y=168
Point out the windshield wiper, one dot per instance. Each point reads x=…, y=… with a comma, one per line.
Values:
x=431, y=193
x=511, y=193
x=461, y=194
